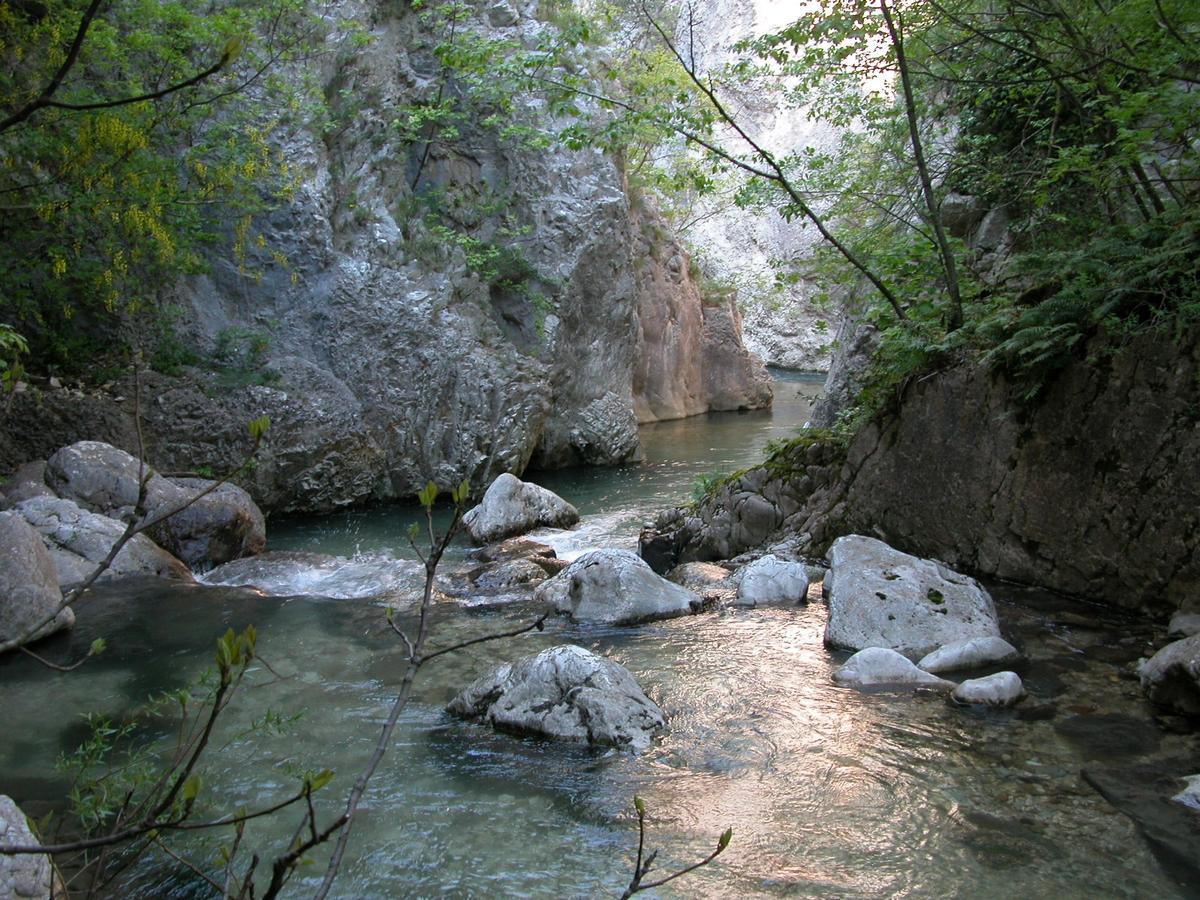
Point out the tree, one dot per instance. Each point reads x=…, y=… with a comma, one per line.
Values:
x=130, y=133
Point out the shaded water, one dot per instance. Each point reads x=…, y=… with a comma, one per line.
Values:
x=831, y=793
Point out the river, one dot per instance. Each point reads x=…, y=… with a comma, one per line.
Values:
x=830, y=792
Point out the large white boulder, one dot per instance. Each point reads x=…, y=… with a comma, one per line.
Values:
x=28, y=582
x=615, y=587
x=22, y=875
x=880, y=597
x=567, y=693
x=999, y=689
x=1172, y=676
x=512, y=506
x=881, y=667
x=772, y=581
x=972, y=653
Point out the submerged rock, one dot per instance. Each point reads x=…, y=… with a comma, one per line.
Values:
x=880, y=666
x=771, y=580
x=970, y=654
x=880, y=597
x=566, y=693
x=79, y=541
x=999, y=689
x=511, y=506
x=28, y=582
x=1172, y=676
x=616, y=587
x=24, y=875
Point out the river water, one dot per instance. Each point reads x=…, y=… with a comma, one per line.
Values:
x=830, y=792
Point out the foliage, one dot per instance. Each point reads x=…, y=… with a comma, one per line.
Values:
x=106, y=202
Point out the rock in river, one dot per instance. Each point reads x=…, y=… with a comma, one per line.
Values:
x=880, y=597
x=881, y=667
x=566, y=693
x=28, y=582
x=21, y=875
x=1000, y=689
x=772, y=581
x=79, y=540
x=219, y=526
x=1172, y=676
x=511, y=506
x=616, y=587
x=970, y=654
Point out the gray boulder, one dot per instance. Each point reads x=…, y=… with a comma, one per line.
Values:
x=616, y=587
x=223, y=525
x=511, y=506
x=1184, y=624
x=970, y=654
x=21, y=875
x=1172, y=676
x=566, y=693
x=881, y=667
x=79, y=540
x=880, y=597
x=999, y=689
x=27, y=481
x=28, y=582
x=771, y=580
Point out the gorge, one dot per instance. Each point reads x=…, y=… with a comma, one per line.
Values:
x=448, y=245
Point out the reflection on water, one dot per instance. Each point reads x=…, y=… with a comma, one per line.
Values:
x=831, y=793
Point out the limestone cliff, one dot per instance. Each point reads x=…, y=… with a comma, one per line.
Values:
x=383, y=352
x=1091, y=489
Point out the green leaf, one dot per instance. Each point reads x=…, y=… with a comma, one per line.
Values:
x=191, y=788
x=639, y=804
x=726, y=837
x=428, y=495
x=99, y=645
x=321, y=779
x=258, y=427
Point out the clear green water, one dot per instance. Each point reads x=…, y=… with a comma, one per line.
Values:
x=831, y=793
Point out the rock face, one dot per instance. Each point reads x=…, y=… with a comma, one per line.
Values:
x=881, y=667
x=772, y=581
x=690, y=356
x=1172, y=676
x=24, y=876
x=970, y=654
x=383, y=353
x=880, y=597
x=28, y=582
x=511, y=506
x=1000, y=689
x=223, y=525
x=566, y=693
x=970, y=471
x=615, y=587
x=79, y=540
